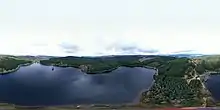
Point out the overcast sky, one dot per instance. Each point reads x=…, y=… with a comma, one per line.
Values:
x=109, y=27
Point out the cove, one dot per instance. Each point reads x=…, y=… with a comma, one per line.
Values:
x=213, y=86
x=38, y=85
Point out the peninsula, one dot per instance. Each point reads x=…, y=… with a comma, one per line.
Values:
x=178, y=83
x=10, y=64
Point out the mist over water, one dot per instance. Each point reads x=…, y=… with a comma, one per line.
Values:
x=39, y=85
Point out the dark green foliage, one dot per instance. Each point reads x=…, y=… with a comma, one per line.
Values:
x=99, y=64
x=10, y=63
x=170, y=86
x=211, y=63
x=200, y=68
x=175, y=67
x=173, y=90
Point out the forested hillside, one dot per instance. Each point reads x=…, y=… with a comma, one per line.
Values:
x=176, y=83
x=9, y=63
x=100, y=64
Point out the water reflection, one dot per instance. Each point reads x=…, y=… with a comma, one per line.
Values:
x=39, y=85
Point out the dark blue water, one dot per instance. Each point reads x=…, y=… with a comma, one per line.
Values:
x=39, y=85
x=213, y=84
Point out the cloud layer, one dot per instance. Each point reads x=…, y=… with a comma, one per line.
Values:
x=84, y=27
x=69, y=48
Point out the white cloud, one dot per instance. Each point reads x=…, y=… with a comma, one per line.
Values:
x=38, y=27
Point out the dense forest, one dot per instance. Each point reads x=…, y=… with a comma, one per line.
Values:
x=11, y=63
x=208, y=63
x=100, y=64
x=173, y=91
x=171, y=85
x=166, y=65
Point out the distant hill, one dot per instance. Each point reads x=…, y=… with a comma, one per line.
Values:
x=208, y=62
x=186, y=55
x=28, y=57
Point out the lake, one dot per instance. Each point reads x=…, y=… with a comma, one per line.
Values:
x=213, y=85
x=38, y=85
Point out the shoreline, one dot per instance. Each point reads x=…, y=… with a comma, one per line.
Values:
x=106, y=70
x=14, y=70
x=208, y=94
x=7, y=106
x=133, y=103
x=137, y=99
